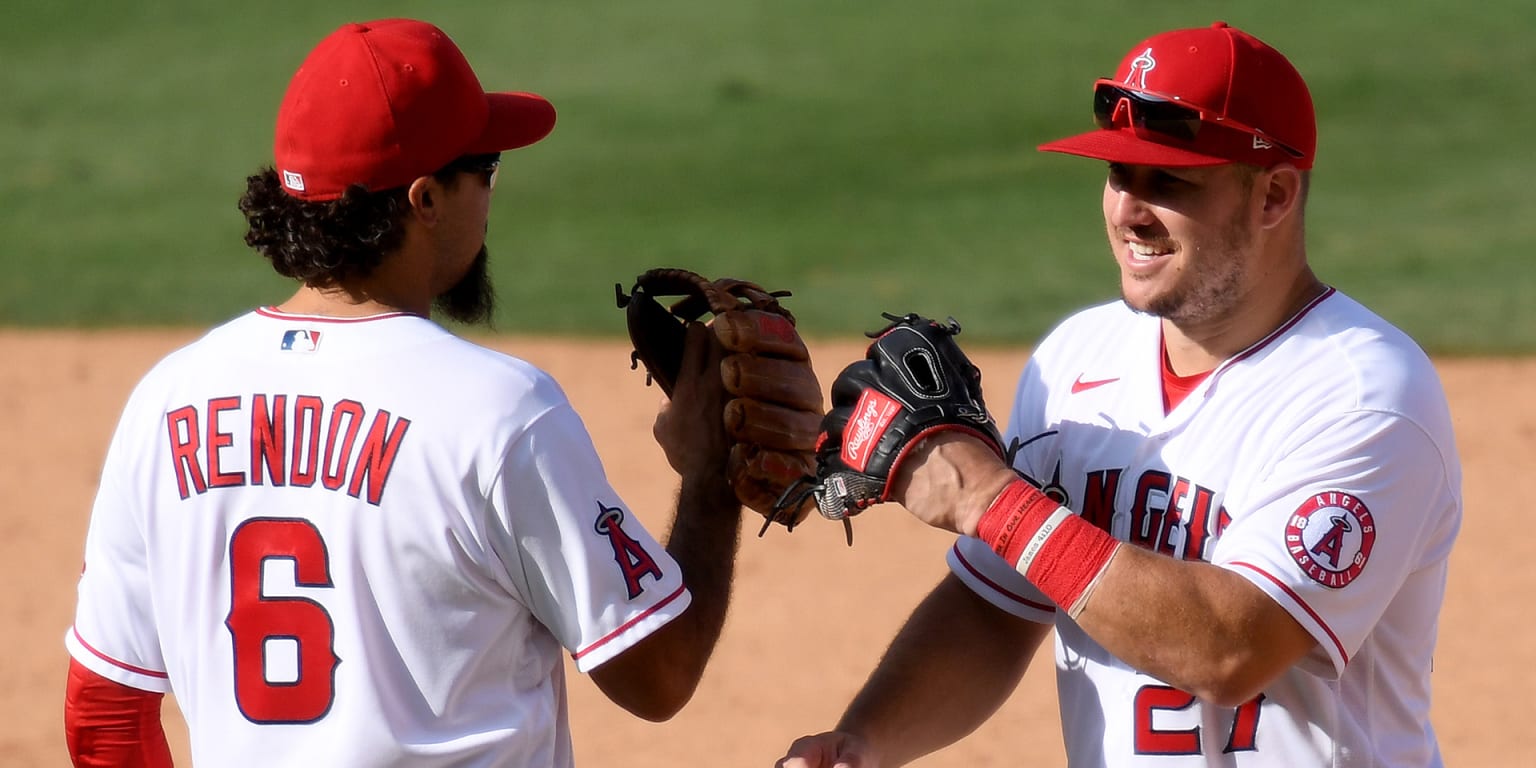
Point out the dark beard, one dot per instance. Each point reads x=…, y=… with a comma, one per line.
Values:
x=472, y=300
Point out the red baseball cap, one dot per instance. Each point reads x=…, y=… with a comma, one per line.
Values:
x=383, y=103
x=1203, y=96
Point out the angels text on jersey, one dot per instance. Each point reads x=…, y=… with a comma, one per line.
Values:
x=1174, y=515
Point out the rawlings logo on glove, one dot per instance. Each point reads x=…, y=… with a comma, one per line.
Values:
x=875, y=412
x=913, y=382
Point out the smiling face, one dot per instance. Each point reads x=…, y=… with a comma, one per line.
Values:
x=1184, y=239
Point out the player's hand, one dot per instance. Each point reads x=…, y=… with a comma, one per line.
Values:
x=950, y=480
x=690, y=427
x=833, y=749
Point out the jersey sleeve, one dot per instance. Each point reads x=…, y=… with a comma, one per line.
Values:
x=994, y=580
x=114, y=633
x=1343, y=521
x=579, y=559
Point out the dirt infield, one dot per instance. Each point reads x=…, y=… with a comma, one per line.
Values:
x=810, y=615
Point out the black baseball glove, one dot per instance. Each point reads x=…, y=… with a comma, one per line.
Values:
x=913, y=382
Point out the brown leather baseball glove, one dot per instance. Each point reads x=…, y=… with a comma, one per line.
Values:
x=776, y=410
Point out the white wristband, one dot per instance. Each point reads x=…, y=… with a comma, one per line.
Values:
x=1038, y=539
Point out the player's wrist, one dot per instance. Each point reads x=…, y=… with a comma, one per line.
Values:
x=1014, y=516
x=1060, y=553
x=953, y=479
x=710, y=489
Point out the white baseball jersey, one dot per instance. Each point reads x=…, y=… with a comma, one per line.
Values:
x=1319, y=464
x=360, y=542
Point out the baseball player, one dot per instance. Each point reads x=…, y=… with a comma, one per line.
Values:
x=345, y=536
x=1239, y=486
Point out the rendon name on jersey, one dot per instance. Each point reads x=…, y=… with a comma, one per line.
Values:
x=296, y=445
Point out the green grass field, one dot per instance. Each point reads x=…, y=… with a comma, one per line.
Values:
x=868, y=155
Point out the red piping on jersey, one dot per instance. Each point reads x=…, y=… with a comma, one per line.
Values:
x=1287, y=590
x=1275, y=334
x=1278, y=332
x=277, y=314
x=115, y=662
x=626, y=625
x=1016, y=598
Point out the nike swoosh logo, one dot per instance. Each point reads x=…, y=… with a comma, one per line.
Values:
x=1084, y=386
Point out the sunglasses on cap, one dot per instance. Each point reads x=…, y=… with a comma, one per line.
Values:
x=1161, y=115
x=488, y=166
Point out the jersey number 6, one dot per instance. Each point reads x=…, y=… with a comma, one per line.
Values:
x=285, y=660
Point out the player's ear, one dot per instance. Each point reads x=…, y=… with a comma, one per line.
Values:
x=1282, y=189
x=423, y=202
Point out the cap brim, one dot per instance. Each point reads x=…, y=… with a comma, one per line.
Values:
x=515, y=120
x=1122, y=145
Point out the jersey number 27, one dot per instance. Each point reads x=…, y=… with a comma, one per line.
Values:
x=1154, y=741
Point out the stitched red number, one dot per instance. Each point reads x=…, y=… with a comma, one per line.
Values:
x=295, y=629
x=1151, y=740
x=1245, y=727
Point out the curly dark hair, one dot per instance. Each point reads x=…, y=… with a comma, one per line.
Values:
x=330, y=242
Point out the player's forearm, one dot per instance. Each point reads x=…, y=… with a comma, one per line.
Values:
x=657, y=676
x=953, y=664
x=704, y=538
x=1218, y=636
x=107, y=724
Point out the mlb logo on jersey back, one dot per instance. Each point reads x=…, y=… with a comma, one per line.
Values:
x=300, y=340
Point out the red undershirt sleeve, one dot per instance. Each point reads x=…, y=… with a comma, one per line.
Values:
x=111, y=725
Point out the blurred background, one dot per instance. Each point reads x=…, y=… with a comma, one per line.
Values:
x=867, y=155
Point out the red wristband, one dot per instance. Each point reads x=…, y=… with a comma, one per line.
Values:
x=1059, y=552
x=1013, y=518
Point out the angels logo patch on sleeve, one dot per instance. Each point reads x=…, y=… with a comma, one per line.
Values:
x=629, y=554
x=1330, y=536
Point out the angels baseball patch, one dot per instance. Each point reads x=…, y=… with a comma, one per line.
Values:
x=1330, y=536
